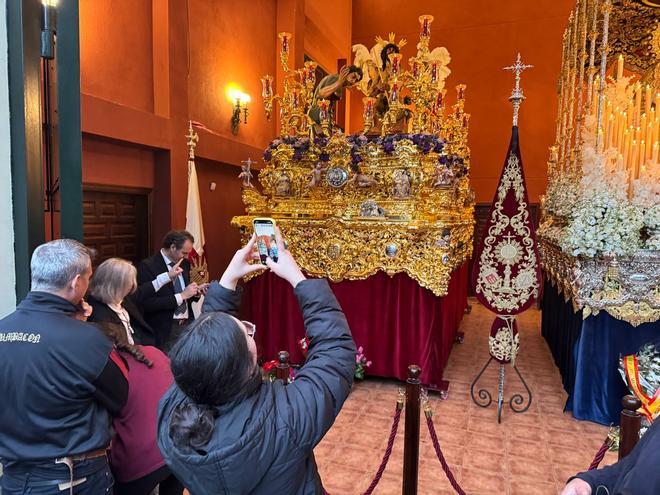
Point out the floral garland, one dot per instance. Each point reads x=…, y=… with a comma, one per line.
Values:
x=425, y=143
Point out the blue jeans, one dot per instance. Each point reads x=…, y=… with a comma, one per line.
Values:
x=44, y=478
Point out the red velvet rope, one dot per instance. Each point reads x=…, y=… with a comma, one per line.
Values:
x=600, y=454
x=441, y=457
x=388, y=452
x=386, y=455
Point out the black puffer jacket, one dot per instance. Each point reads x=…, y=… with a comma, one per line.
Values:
x=636, y=474
x=263, y=445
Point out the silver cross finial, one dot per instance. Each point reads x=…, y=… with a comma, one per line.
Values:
x=517, y=94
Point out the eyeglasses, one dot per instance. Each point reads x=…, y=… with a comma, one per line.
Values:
x=250, y=328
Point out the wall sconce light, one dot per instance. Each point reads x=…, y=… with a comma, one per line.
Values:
x=49, y=29
x=240, y=101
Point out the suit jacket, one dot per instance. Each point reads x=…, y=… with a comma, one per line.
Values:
x=144, y=334
x=158, y=308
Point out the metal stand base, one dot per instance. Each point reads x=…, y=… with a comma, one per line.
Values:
x=517, y=402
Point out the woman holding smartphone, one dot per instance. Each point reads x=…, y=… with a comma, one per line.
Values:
x=221, y=428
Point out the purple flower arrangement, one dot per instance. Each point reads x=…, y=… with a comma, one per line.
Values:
x=425, y=143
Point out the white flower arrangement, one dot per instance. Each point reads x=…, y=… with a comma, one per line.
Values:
x=652, y=224
x=561, y=196
x=600, y=224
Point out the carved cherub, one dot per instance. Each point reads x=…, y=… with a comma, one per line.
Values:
x=246, y=173
x=314, y=177
x=362, y=180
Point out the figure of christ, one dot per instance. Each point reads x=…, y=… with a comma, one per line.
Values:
x=331, y=88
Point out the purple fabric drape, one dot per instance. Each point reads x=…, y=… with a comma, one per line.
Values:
x=396, y=321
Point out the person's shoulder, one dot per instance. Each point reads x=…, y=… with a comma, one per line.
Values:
x=150, y=260
x=155, y=355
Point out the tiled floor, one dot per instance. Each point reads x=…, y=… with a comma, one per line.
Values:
x=530, y=453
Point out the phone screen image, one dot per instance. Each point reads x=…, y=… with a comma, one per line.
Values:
x=266, y=241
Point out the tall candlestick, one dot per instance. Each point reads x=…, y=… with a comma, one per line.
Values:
x=638, y=103
x=630, y=113
x=642, y=127
x=649, y=140
x=647, y=106
x=654, y=153
x=633, y=160
x=622, y=127
x=626, y=149
x=425, y=24
x=642, y=152
x=607, y=8
x=619, y=68
x=610, y=132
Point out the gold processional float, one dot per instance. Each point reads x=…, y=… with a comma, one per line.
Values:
x=600, y=232
x=393, y=198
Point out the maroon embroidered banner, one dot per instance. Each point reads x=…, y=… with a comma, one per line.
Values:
x=507, y=275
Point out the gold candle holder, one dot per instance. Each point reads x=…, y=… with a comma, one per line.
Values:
x=395, y=63
x=425, y=25
x=285, y=45
x=324, y=115
x=368, y=103
x=267, y=94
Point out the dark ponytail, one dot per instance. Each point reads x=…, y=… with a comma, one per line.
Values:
x=211, y=364
x=117, y=335
x=191, y=426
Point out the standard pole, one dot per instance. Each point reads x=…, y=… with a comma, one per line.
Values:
x=411, y=437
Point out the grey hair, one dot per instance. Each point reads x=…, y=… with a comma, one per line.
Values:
x=56, y=263
x=113, y=280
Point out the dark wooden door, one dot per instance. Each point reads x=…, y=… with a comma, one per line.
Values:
x=116, y=223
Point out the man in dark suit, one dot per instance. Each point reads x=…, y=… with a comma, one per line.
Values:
x=169, y=309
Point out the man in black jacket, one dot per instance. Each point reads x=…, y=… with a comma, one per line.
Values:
x=168, y=310
x=59, y=379
x=636, y=474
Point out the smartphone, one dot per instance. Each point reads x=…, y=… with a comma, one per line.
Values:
x=264, y=228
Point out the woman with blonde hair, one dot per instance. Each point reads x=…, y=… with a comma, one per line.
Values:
x=115, y=297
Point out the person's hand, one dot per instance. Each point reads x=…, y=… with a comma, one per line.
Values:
x=191, y=291
x=343, y=73
x=204, y=288
x=84, y=311
x=176, y=270
x=286, y=267
x=240, y=265
x=576, y=487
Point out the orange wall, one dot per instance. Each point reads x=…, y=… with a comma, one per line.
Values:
x=117, y=164
x=328, y=31
x=116, y=51
x=231, y=42
x=482, y=37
